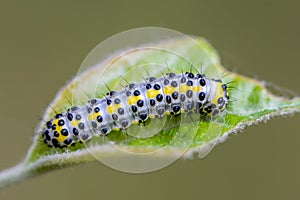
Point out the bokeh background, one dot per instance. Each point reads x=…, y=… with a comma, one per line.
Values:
x=42, y=44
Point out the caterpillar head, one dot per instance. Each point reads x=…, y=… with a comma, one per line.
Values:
x=218, y=98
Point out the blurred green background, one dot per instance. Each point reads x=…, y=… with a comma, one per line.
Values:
x=42, y=44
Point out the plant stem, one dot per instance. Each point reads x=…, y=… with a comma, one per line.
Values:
x=16, y=174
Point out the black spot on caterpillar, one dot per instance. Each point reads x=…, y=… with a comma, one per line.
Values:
x=172, y=94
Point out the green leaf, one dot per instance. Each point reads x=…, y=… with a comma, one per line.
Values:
x=181, y=136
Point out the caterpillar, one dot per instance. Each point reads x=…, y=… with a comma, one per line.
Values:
x=171, y=94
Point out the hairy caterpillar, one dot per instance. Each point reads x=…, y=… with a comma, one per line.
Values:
x=171, y=94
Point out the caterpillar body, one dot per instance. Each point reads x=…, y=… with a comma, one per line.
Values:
x=171, y=94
